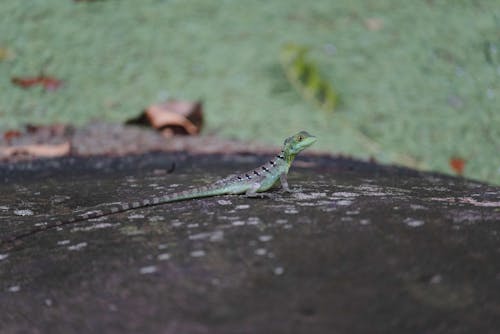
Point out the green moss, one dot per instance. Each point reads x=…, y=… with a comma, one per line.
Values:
x=422, y=85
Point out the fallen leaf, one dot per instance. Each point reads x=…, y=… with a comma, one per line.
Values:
x=173, y=117
x=457, y=164
x=38, y=150
x=11, y=134
x=49, y=83
x=374, y=24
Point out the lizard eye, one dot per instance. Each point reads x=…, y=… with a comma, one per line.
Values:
x=299, y=138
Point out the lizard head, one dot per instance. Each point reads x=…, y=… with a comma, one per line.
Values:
x=298, y=142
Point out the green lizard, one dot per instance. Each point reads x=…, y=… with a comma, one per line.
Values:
x=250, y=183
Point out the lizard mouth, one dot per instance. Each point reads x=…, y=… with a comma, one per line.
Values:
x=309, y=141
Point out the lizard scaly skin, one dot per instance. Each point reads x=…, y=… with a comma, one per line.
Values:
x=250, y=183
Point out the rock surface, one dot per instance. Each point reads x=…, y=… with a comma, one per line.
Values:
x=359, y=248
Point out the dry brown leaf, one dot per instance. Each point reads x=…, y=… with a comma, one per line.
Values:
x=11, y=134
x=457, y=164
x=47, y=82
x=173, y=117
x=37, y=150
x=160, y=117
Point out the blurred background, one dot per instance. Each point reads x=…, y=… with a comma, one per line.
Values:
x=416, y=83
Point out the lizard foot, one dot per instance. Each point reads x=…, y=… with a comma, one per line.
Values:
x=261, y=196
x=292, y=191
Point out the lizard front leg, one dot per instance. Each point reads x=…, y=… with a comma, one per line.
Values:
x=284, y=183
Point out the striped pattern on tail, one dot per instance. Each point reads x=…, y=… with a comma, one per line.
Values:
x=122, y=207
x=106, y=210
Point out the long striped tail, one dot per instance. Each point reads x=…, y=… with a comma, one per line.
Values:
x=110, y=209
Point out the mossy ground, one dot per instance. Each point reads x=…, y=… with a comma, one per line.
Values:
x=426, y=83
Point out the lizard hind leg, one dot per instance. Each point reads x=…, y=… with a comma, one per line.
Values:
x=252, y=192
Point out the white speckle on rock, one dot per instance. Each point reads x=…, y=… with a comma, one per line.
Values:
x=136, y=216
x=48, y=302
x=230, y=218
x=3, y=256
x=194, y=225
x=199, y=236
x=344, y=202
x=238, y=223
x=344, y=194
x=364, y=221
x=93, y=212
x=217, y=236
x=413, y=222
x=279, y=271
x=253, y=221
x=98, y=219
x=436, y=279
x=281, y=221
x=77, y=246
x=307, y=204
x=3, y=207
x=242, y=207
x=14, y=288
x=304, y=196
x=212, y=236
x=148, y=270
x=162, y=246
x=265, y=238
x=163, y=257
x=63, y=242
x=330, y=209
x=379, y=193
x=261, y=251
x=25, y=212
x=131, y=230
x=198, y=253
x=291, y=211
x=177, y=223
x=92, y=227
x=224, y=202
